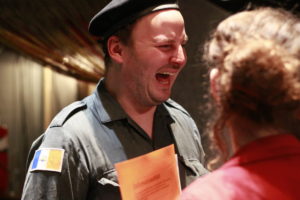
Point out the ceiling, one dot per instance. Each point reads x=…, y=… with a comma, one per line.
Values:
x=54, y=32
x=239, y=5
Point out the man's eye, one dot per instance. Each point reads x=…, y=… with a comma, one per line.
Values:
x=165, y=46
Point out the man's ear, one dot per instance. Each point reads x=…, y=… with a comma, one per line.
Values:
x=114, y=48
x=213, y=75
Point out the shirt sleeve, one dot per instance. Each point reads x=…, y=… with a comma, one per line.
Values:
x=70, y=183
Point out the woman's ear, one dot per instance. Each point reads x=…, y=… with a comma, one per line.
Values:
x=213, y=75
x=114, y=48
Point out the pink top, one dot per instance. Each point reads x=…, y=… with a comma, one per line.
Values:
x=268, y=168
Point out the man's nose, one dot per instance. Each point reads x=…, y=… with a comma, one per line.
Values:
x=179, y=57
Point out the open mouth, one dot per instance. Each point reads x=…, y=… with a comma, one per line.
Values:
x=164, y=77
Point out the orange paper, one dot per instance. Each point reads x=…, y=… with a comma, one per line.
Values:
x=151, y=176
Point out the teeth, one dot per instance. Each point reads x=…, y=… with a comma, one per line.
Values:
x=168, y=73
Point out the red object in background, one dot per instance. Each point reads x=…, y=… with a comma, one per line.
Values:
x=3, y=160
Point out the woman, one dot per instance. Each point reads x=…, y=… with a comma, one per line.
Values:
x=255, y=85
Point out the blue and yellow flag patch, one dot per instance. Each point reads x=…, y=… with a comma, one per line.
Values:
x=48, y=159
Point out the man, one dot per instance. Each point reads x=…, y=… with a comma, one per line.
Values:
x=129, y=114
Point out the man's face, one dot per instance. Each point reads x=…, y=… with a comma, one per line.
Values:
x=154, y=57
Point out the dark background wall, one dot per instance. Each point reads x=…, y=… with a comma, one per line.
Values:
x=201, y=17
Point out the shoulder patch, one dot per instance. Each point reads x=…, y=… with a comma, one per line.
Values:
x=67, y=112
x=48, y=159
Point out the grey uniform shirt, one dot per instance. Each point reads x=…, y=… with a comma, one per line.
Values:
x=96, y=133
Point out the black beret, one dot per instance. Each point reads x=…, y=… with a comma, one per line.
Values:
x=119, y=13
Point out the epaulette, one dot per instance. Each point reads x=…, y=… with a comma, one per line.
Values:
x=175, y=105
x=67, y=112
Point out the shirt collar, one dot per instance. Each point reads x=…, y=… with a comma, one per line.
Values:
x=162, y=112
x=108, y=109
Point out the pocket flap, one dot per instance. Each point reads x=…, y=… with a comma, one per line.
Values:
x=194, y=165
x=109, y=178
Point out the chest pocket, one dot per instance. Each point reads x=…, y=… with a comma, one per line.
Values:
x=195, y=166
x=106, y=187
x=190, y=170
x=109, y=178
